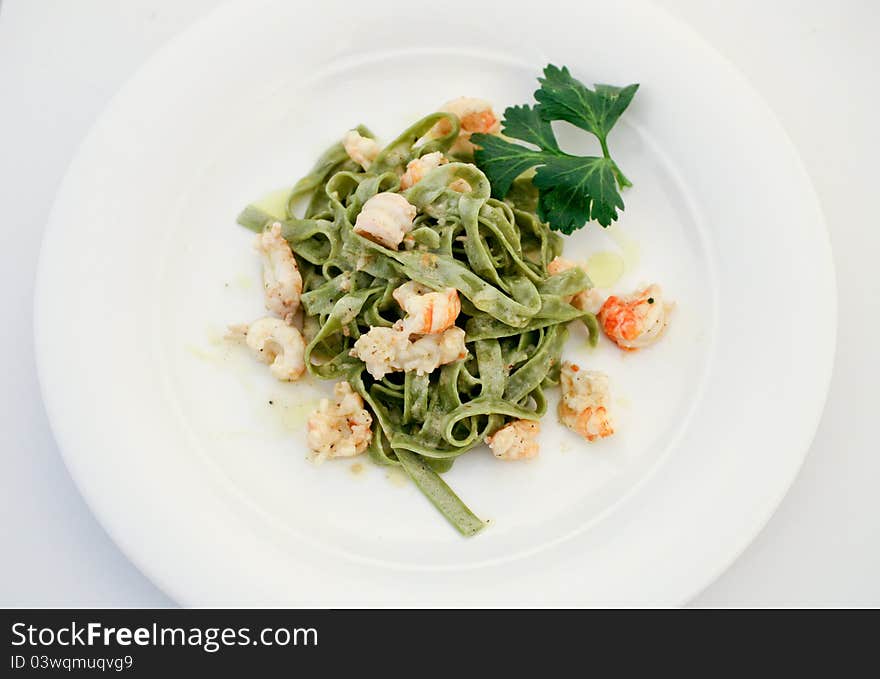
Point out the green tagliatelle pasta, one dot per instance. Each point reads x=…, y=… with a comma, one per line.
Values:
x=495, y=253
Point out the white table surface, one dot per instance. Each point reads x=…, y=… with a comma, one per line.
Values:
x=816, y=63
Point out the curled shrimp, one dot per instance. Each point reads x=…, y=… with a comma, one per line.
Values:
x=427, y=353
x=340, y=428
x=380, y=349
x=385, y=219
x=385, y=350
x=460, y=185
x=475, y=115
x=281, y=279
x=584, y=404
x=635, y=321
x=427, y=312
x=515, y=441
x=417, y=168
x=360, y=149
x=275, y=343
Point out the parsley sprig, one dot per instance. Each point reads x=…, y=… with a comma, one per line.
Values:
x=572, y=189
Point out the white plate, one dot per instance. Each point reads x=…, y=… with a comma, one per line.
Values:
x=170, y=435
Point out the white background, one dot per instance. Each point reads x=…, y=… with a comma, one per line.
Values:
x=816, y=63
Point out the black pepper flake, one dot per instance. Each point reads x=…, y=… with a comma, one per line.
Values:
x=650, y=300
x=271, y=403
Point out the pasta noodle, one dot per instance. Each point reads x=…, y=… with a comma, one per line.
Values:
x=494, y=253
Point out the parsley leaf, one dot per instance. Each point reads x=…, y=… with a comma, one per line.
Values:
x=526, y=123
x=503, y=161
x=575, y=189
x=564, y=98
x=572, y=189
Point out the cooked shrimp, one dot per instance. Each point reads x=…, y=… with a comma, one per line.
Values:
x=379, y=349
x=475, y=115
x=558, y=265
x=460, y=186
x=417, y=168
x=340, y=428
x=635, y=321
x=385, y=219
x=586, y=300
x=276, y=343
x=385, y=350
x=515, y=441
x=428, y=353
x=281, y=280
x=360, y=149
x=427, y=312
x=584, y=404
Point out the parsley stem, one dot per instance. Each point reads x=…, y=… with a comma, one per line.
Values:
x=622, y=181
